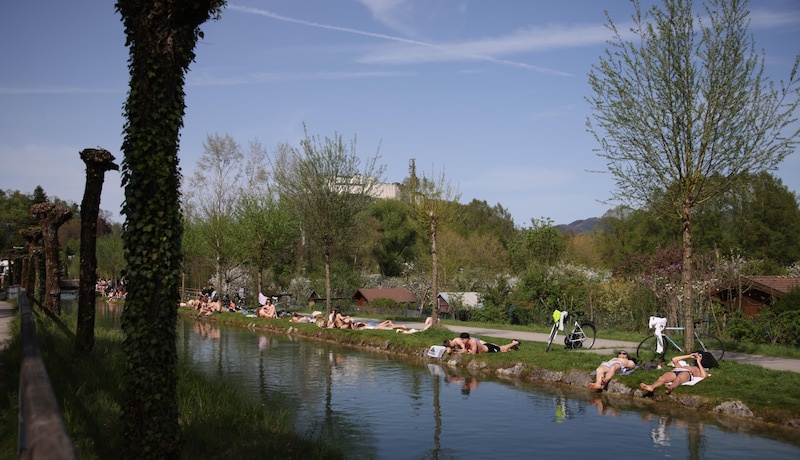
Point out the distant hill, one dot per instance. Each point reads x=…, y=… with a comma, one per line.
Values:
x=580, y=226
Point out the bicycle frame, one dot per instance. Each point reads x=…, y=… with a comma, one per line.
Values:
x=648, y=348
x=576, y=338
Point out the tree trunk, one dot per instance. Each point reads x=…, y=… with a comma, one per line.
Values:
x=434, y=273
x=688, y=271
x=328, y=282
x=50, y=217
x=161, y=37
x=98, y=161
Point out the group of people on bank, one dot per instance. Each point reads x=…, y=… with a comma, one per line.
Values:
x=681, y=373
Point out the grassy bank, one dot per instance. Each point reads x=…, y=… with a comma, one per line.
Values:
x=216, y=421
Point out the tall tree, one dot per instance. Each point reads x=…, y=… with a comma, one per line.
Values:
x=434, y=205
x=214, y=191
x=161, y=37
x=329, y=190
x=685, y=100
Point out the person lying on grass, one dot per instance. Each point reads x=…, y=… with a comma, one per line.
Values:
x=682, y=373
x=607, y=369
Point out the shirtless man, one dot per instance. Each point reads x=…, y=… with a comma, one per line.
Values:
x=682, y=372
x=607, y=369
x=479, y=346
x=457, y=345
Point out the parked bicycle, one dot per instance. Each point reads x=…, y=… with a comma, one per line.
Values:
x=582, y=335
x=648, y=348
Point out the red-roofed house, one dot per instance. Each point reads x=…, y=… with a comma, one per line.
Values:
x=751, y=293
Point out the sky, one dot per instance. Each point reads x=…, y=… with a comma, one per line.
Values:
x=490, y=93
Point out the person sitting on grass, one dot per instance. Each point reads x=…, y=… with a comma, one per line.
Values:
x=682, y=373
x=607, y=369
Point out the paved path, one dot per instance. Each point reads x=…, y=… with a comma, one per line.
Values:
x=7, y=313
x=606, y=347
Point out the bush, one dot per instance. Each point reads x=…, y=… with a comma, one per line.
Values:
x=490, y=314
x=741, y=328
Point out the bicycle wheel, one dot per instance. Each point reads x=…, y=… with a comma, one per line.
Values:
x=552, y=336
x=710, y=344
x=647, y=351
x=589, y=334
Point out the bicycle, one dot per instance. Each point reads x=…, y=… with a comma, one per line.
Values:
x=582, y=335
x=647, y=351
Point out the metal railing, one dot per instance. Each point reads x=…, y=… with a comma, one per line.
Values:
x=42, y=433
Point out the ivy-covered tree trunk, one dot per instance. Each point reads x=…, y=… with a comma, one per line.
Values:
x=50, y=217
x=161, y=37
x=98, y=161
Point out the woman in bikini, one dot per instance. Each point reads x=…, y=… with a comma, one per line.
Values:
x=606, y=370
x=682, y=373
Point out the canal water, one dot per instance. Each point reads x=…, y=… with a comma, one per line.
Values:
x=382, y=407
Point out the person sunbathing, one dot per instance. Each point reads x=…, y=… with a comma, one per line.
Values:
x=607, y=369
x=477, y=346
x=388, y=324
x=682, y=373
x=456, y=345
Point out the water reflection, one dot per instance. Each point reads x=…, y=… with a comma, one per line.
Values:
x=376, y=406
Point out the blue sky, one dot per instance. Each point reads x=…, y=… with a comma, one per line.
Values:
x=490, y=92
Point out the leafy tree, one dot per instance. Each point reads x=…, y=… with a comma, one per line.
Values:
x=161, y=37
x=541, y=245
x=767, y=222
x=268, y=234
x=110, y=256
x=326, y=187
x=434, y=205
x=395, y=244
x=214, y=191
x=685, y=101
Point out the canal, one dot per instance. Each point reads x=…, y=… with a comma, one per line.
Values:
x=377, y=406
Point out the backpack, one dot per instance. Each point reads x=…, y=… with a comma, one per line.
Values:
x=708, y=360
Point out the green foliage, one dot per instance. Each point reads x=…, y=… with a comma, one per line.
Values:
x=324, y=184
x=385, y=307
x=789, y=302
x=495, y=314
x=396, y=240
x=540, y=245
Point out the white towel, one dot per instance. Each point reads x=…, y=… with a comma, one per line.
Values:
x=658, y=324
x=561, y=319
x=691, y=382
x=262, y=299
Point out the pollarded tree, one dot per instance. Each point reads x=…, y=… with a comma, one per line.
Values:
x=161, y=37
x=684, y=101
x=328, y=190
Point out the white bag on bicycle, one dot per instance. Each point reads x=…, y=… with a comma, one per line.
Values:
x=559, y=317
x=659, y=324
